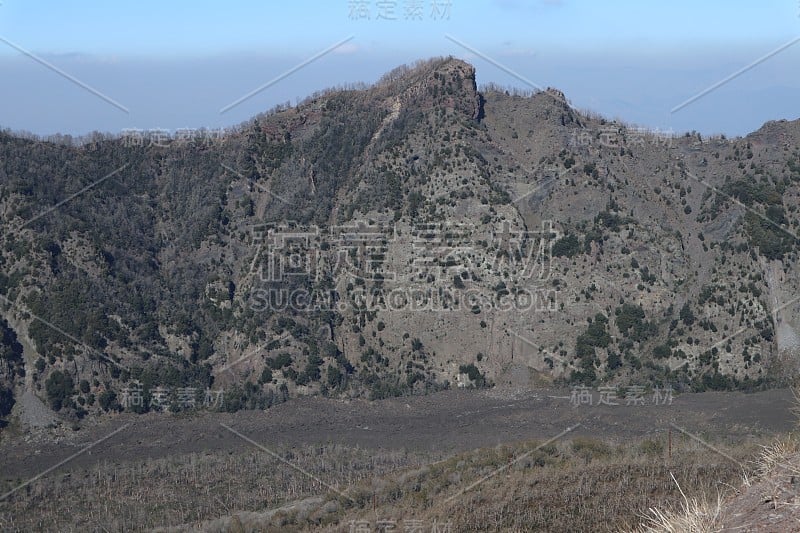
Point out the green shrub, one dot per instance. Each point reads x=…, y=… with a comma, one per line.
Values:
x=6, y=401
x=567, y=246
x=108, y=400
x=280, y=361
x=60, y=388
x=686, y=314
x=662, y=351
x=473, y=374
x=631, y=323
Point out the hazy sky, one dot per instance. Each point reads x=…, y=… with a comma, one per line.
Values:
x=174, y=64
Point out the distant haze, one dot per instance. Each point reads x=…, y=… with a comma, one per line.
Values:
x=177, y=66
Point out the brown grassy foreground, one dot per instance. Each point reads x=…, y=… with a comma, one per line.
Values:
x=145, y=494
x=766, y=500
x=578, y=485
x=575, y=484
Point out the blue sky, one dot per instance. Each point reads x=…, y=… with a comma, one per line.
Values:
x=174, y=64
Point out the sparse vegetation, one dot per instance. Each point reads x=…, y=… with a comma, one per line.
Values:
x=538, y=487
x=164, y=277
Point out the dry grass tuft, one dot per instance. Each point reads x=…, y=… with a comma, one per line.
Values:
x=779, y=453
x=694, y=516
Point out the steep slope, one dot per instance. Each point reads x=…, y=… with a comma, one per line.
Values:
x=413, y=235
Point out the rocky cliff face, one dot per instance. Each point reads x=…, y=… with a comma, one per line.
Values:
x=414, y=235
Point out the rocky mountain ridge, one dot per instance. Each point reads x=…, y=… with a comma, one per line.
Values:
x=411, y=236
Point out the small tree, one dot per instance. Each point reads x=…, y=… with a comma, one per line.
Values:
x=687, y=315
x=6, y=401
x=108, y=400
x=60, y=388
x=334, y=376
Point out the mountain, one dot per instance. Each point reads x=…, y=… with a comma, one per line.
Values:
x=410, y=236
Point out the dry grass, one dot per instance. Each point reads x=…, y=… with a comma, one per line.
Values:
x=778, y=453
x=580, y=485
x=772, y=479
x=694, y=516
x=149, y=493
x=572, y=485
